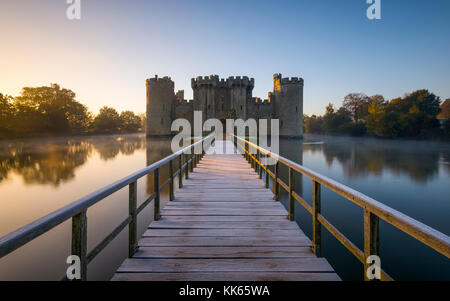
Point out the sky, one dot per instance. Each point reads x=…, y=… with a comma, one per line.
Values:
x=106, y=56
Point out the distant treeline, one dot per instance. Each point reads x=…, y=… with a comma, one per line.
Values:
x=414, y=115
x=46, y=111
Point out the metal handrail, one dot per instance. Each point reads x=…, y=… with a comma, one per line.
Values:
x=373, y=210
x=77, y=210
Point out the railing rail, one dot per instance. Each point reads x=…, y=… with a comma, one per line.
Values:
x=373, y=210
x=77, y=210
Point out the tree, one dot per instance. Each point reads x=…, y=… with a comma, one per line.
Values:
x=445, y=109
x=143, y=117
x=336, y=121
x=107, y=121
x=6, y=114
x=49, y=110
x=357, y=104
x=313, y=124
x=130, y=122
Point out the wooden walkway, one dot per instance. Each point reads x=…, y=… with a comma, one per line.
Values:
x=224, y=225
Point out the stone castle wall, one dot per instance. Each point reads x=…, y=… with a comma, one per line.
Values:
x=221, y=98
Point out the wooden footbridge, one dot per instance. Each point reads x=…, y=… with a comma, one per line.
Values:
x=224, y=223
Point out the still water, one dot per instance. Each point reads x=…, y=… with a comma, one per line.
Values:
x=42, y=175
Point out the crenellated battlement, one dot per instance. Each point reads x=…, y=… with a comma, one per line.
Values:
x=292, y=81
x=211, y=80
x=165, y=81
x=240, y=81
x=260, y=101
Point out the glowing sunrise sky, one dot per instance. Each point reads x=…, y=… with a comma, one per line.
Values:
x=106, y=56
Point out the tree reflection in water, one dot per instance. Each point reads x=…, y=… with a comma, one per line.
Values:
x=362, y=157
x=53, y=161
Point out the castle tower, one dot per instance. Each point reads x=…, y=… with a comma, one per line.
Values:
x=288, y=94
x=241, y=90
x=204, y=89
x=160, y=106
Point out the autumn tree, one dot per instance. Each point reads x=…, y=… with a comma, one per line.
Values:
x=445, y=109
x=357, y=104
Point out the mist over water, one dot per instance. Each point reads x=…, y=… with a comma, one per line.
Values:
x=38, y=176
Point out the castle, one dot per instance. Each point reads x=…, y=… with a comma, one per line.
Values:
x=225, y=98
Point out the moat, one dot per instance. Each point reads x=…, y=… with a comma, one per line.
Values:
x=39, y=176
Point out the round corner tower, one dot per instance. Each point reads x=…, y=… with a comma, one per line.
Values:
x=160, y=102
x=288, y=93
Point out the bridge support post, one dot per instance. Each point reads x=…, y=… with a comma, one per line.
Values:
x=291, y=199
x=171, y=185
x=371, y=239
x=180, y=175
x=276, y=186
x=317, y=227
x=156, y=215
x=266, y=174
x=132, y=211
x=186, y=160
x=79, y=241
x=260, y=167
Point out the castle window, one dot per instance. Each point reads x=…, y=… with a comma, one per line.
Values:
x=241, y=108
x=162, y=120
x=223, y=107
x=281, y=123
x=296, y=109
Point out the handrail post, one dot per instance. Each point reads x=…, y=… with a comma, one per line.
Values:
x=260, y=166
x=186, y=159
x=266, y=174
x=171, y=186
x=276, y=185
x=291, y=199
x=79, y=241
x=246, y=152
x=371, y=239
x=180, y=175
x=132, y=211
x=252, y=159
x=256, y=160
x=191, y=166
x=156, y=215
x=317, y=227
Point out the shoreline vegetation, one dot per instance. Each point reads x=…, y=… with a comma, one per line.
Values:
x=52, y=111
x=418, y=115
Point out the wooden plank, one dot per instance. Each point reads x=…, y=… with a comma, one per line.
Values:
x=223, y=252
x=169, y=223
x=227, y=276
x=226, y=218
x=156, y=265
x=223, y=232
x=269, y=204
x=212, y=212
x=298, y=241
